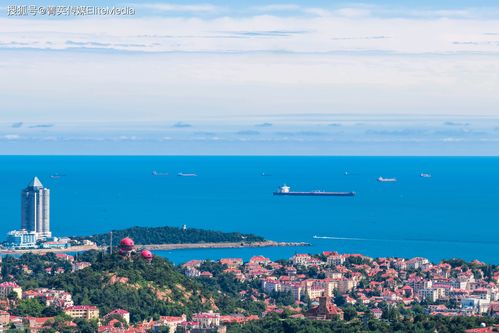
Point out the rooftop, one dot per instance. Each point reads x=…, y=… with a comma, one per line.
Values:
x=36, y=183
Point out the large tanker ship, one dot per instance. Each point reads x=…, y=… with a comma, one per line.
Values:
x=286, y=190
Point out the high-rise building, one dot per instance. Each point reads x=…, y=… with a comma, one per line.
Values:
x=35, y=209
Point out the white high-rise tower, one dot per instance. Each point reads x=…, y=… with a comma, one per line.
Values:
x=35, y=209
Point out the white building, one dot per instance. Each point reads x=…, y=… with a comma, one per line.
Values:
x=335, y=260
x=207, y=319
x=6, y=288
x=21, y=239
x=295, y=289
x=477, y=305
x=430, y=294
x=300, y=259
x=35, y=209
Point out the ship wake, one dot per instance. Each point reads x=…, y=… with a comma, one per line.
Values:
x=340, y=238
x=449, y=241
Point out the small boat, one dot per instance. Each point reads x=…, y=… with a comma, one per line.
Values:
x=387, y=180
x=157, y=174
x=425, y=175
x=182, y=174
x=266, y=174
x=56, y=176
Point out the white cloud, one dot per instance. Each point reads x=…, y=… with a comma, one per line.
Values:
x=11, y=137
x=342, y=30
x=317, y=11
x=277, y=8
x=171, y=7
x=175, y=67
x=353, y=12
x=126, y=138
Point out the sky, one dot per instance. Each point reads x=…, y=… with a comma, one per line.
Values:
x=251, y=77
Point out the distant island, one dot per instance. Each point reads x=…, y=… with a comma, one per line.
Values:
x=170, y=235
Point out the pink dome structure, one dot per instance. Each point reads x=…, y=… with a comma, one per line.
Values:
x=147, y=255
x=127, y=244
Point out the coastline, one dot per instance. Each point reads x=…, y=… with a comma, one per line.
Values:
x=79, y=248
x=225, y=245
x=158, y=247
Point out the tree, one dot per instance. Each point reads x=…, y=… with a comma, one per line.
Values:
x=29, y=307
x=51, y=311
x=339, y=300
x=349, y=312
x=87, y=326
x=283, y=298
x=61, y=322
x=173, y=235
x=13, y=296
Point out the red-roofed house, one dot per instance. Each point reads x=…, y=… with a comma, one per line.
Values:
x=8, y=287
x=407, y=291
x=489, y=329
x=206, y=274
x=193, y=263
x=325, y=310
x=335, y=259
x=112, y=329
x=76, y=266
x=124, y=314
x=170, y=321
x=300, y=259
x=64, y=256
x=236, y=319
x=232, y=262
x=260, y=260
x=4, y=317
x=377, y=313
x=37, y=324
x=207, y=319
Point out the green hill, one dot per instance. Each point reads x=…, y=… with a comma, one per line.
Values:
x=170, y=235
x=145, y=289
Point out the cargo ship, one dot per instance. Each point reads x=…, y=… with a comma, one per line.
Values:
x=183, y=174
x=387, y=180
x=286, y=190
x=57, y=176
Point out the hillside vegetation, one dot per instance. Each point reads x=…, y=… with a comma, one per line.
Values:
x=146, y=289
x=171, y=235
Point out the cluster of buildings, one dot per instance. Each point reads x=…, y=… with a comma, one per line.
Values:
x=35, y=221
x=116, y=321
x=441, y=288
x=314, y=284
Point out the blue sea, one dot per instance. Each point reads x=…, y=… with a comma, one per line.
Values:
x=455, y=213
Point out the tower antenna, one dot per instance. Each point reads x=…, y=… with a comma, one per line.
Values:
x=110, y=242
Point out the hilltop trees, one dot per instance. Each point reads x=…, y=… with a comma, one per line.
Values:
x=171, y=235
